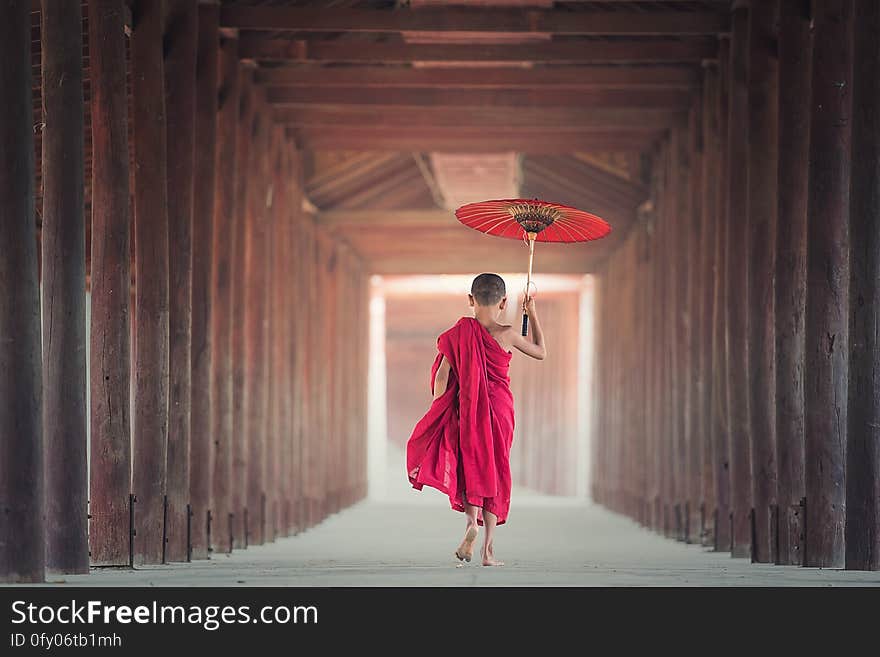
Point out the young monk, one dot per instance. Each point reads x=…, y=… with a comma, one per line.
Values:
x=462, y=444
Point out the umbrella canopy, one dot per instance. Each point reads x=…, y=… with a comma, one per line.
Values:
x=524, y=218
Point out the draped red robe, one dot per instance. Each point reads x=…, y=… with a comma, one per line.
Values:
x=462, y=444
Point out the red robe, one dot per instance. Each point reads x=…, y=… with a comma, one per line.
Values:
x=462, y=444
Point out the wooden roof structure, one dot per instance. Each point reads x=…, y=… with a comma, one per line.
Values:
x=579, y=92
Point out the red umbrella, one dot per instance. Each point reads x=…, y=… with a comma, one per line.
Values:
x=533, y=221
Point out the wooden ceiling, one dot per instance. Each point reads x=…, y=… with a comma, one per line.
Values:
x=579, y=92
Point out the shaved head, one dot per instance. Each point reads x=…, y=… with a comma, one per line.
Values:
x=488, y=289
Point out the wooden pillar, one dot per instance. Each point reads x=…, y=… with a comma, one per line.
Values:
x=255, y=283
x=707, y=272
x=64, y=289
x=22, y=534
x=242, y=517
x=279, y=339
x=720, y=412
x=828, y=271
x=223, y=240
x=695, y=281
x=763, y=156
x=110, y=282
x=737, y=286
x=151, y=280
x=795, y=46
x=863, y=439
x=297, y=281
x=180, y=47
x=201, y=451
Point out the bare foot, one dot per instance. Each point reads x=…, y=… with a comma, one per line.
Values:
x=465, y=551
x=489, y=558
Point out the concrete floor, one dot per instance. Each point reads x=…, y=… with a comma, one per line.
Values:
x=409, y=542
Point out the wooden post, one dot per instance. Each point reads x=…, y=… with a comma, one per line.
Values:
x=737, y=286
x=151, y=279
x=863, y=440
x=255, y=282
x=708, y=273
x=795, y=45
x=828, y=271
x=720, y=410
x=201, y=452
x=180, y=46
x=695, y=281
x=240, y=436
x=110, y=279
x=64, y=289
x=221, y=302
x=22, y=534
x=763, y=156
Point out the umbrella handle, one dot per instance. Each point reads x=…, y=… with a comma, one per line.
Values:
x=525, y=322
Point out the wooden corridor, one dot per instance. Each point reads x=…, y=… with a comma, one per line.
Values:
x=217, y=182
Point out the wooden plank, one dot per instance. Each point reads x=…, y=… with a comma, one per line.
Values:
x=64, y=298
x=763, y=154
x=458, y=20
x=227, y=165
x=151, y=392
x=201, y=452
x=545, y=119
x=544, y=78
x=23, y=532
x=503, y=99
x=795, y=50
x=863, y=438
x=828, y=271
x=737, y=289
x=180, y=46
x=640, y=51
x=110, y=282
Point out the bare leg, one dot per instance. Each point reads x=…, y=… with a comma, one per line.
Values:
x=465, y=550
x=489, y=522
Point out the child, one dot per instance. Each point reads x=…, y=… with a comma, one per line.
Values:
x=462, y=444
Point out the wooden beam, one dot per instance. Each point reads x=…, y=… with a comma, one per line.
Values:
x=737, y=289
x=545, y=77
x=64, y=290
x=795, y=52
x=365, y=219
x=255, y=47
x=151, y=388
x=110, y=278
x=459, y=20
x=557, y=143
x=202, y=244
x=401, y=100
x=23, y=530
x=763, y=140
x=863, y=440
x=180, y=45
x=546, y=119
x=241, y=516
x=221, y=301
x=828, y=276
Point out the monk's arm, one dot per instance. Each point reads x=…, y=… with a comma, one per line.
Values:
x=441, y=379
x=533, y=347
